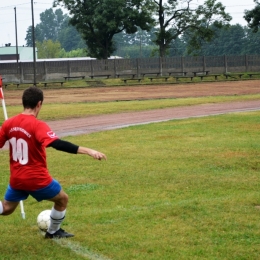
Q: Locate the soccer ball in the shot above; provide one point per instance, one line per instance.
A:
(43, 220)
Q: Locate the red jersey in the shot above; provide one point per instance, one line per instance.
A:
(28, 137)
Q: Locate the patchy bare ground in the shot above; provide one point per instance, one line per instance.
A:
(105, 122)
(141, 92)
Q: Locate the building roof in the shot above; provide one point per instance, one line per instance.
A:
(26, 53)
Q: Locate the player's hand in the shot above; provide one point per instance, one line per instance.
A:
(93, 153)
(99, 156)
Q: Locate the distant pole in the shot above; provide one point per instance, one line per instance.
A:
(17, 58)
(141, 36)
(33, 39)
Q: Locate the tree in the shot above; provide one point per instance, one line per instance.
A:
(252, 40)
(230, 41)
(99, 21)
(124, 39)
(72, 53)
(177, 47)
(253, 17)
(135, 45)
(48, 49)
(51, 23)
(49, 28)
(226, 41)
(28, 38)
(176, 17)
(70, 38)
(55, 26)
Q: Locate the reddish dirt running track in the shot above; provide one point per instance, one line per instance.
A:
(107, 122)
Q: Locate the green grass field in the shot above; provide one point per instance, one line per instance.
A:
(183, 189)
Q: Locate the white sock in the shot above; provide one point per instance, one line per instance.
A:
(1, 208)
(56, 219)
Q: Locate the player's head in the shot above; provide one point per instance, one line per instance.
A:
(31, 97)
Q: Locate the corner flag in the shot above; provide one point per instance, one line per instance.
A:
(2, 97)
(1, 84)
(6, 117)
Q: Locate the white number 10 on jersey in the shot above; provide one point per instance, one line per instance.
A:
(20, 150)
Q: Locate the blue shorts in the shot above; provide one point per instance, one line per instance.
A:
(46, 193)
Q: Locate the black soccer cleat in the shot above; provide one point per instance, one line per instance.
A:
(58, 234)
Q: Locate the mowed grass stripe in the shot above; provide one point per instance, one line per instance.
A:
(79, 250)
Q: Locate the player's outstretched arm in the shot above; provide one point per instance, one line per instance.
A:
(68, 147)
(93, 153)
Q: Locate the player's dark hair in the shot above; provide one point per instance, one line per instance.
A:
(31, 97)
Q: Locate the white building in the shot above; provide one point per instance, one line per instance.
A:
(9, 53)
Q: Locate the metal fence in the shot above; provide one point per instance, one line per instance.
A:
(58, 69)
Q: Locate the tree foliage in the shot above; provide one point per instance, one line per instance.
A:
(28, 38)
(251, 41)
(99, 21)
(51, 24)
(226, 41)
(139, 44)
(70, 38)
(72, 53)
(186, 30)
(232, 40)
(55, 26)
(253, 17)
(48, 49)
(176, 17)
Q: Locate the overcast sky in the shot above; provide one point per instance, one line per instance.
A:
(235, 8)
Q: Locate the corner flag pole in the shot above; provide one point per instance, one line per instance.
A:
(6, 117)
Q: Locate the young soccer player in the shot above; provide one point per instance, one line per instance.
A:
(28, 137)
